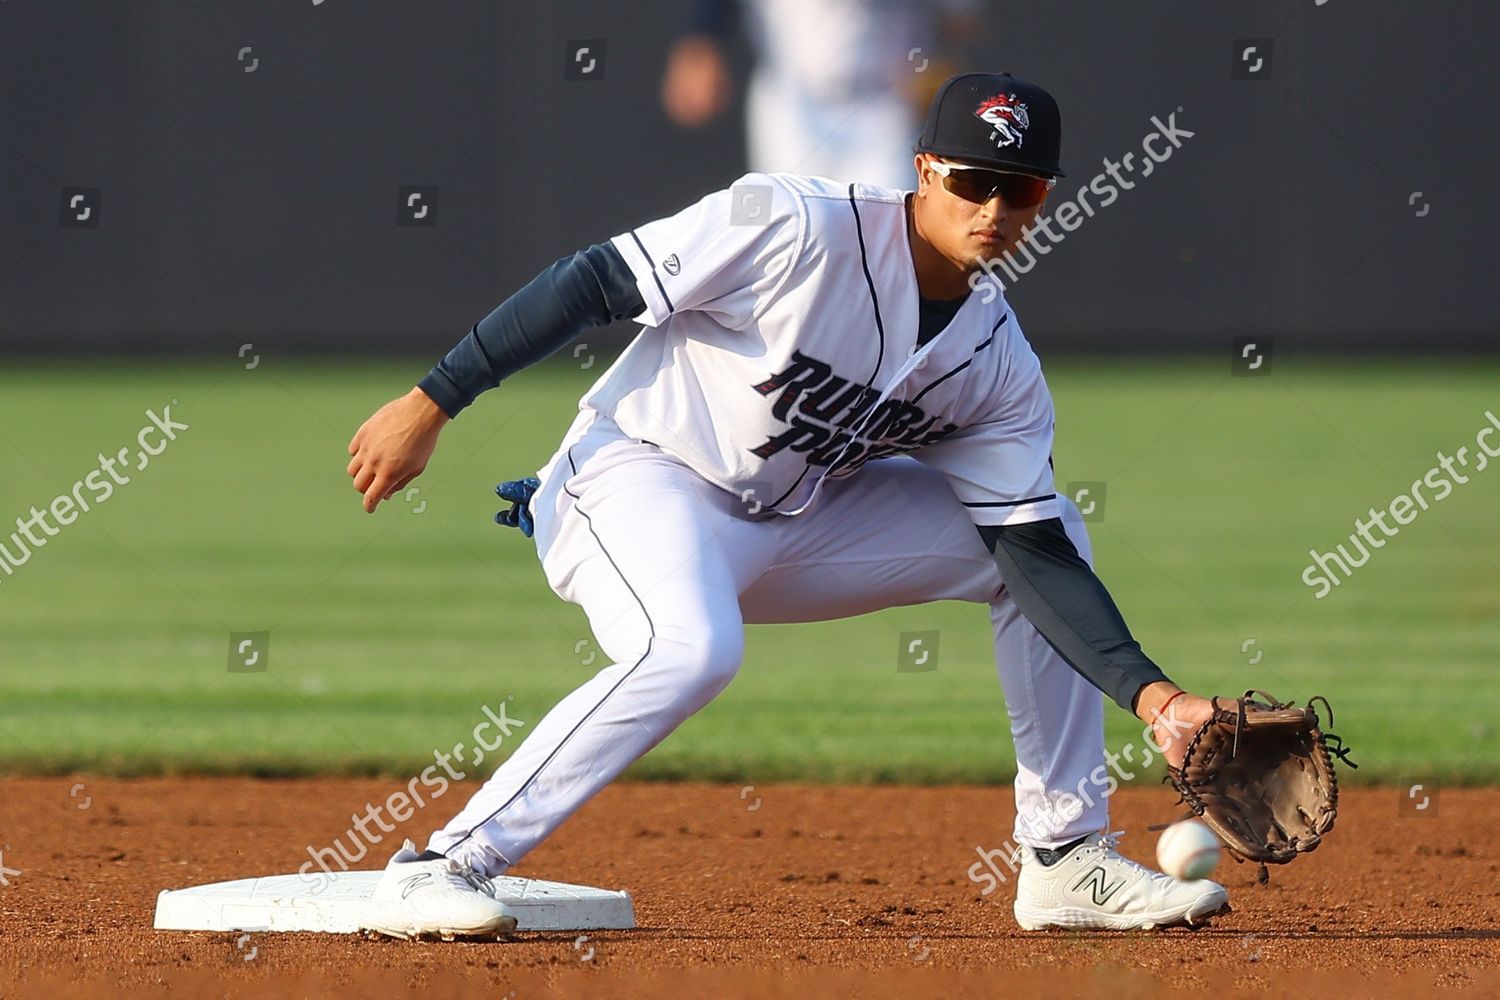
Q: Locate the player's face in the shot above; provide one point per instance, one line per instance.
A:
(963, 230)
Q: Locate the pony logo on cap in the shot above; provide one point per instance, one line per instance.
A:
(1006, 116)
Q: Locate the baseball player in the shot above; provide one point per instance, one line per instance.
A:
(836, 87)
(823, 415)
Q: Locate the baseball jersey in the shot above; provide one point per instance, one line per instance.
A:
(845, 50)
(779, 349)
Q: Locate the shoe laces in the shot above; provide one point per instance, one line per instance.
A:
(1104, 843)
(1107, 844)
(461, 876)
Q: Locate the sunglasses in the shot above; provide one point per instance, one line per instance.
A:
(980, 184)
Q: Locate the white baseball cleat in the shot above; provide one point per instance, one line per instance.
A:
(440, 898)
(1093, 888)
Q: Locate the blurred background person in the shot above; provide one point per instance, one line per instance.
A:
(837, 86)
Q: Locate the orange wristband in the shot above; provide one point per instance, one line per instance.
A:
(1161, 712)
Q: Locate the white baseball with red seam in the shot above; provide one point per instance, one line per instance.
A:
(1187, 850)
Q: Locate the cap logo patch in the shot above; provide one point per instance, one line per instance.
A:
(1006, 117)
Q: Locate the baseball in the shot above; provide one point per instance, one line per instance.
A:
(1187, 850)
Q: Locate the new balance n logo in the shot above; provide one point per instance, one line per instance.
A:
(1095, 880)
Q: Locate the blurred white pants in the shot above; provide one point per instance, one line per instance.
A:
(669, 568)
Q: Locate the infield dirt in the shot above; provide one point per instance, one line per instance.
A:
(740, 891)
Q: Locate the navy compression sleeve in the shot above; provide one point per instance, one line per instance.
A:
(1060, 595)
(591, 288)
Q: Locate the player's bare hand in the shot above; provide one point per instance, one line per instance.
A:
(394, 446)
(696, 87)
(1174, 716)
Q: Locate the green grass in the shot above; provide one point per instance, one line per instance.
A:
(390, 632)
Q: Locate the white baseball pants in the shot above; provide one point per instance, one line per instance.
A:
(669, 568)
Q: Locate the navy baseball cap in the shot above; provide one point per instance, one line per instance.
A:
(996, 120)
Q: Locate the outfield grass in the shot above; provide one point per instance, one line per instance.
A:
(389, 633)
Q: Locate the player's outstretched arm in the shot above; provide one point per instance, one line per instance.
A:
(588, 289)
(1058, 592)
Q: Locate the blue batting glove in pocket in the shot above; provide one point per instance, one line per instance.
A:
(519, 492)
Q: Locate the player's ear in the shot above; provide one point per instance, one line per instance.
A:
(922, 179)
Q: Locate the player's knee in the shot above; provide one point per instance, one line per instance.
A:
(708, 659)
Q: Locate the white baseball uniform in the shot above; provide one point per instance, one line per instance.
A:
(831, 92)
(776, 446)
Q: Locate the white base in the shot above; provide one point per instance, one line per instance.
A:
(289, 903)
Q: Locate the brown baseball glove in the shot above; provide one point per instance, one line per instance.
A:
(1260, 774)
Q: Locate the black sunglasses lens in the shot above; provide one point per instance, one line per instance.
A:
(1020, 191)
(971, 185)
(979, 186)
